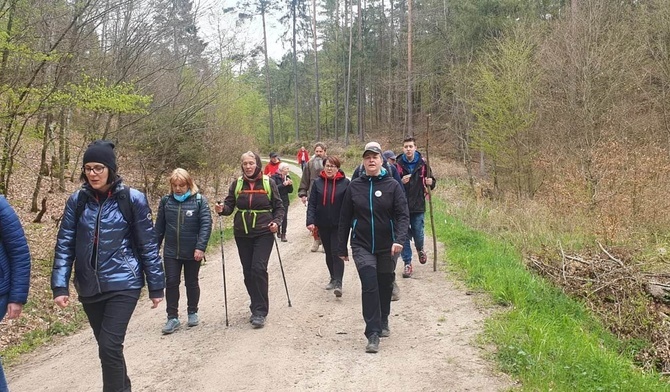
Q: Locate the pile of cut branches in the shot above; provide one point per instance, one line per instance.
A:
(633, 304)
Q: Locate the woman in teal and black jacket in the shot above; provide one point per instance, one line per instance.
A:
(184, 222)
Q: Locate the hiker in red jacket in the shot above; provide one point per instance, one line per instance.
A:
(272, 166)
(302, 157)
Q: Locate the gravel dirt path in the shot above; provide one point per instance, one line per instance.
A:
(317, 344)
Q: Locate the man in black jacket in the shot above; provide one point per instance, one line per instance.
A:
(416, 177)
(375, 210)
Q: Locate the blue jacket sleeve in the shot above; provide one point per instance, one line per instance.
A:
(64, 253)
(18, 255)
(145, 236)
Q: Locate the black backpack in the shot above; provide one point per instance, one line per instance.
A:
(125, 206)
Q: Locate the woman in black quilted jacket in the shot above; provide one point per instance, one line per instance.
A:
(184, 222)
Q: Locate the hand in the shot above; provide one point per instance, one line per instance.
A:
(344, 258)
(198, 255)
(311, 228)
(395, 249)
(155, 302)
(14, 310)
(273, 227)
(405, 178)
(429, 181)
(62, 301)
(303, 199)
(218, 207)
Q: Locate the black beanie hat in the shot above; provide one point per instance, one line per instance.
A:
(101, 151)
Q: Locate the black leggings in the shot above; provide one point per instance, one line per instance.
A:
(172, 279)
(254, 255)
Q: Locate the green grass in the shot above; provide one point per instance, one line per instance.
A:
(545, 339)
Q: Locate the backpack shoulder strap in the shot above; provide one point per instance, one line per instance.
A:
(198, 199)
(125, 205)
(128, 211)
(82, 199)
(266, 186)
(164, 201)
(238, 187)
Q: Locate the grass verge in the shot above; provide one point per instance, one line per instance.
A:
(545, 339)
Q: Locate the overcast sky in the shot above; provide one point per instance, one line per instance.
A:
(246, 36)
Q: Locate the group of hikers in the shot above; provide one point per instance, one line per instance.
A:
(108, 237)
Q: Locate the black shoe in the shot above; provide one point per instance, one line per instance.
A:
(258, 322)
(338, 289)
(373, 344)
(386, 331)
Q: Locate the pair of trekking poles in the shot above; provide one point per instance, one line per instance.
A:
(223, 268)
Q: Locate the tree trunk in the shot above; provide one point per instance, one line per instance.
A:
(410, 114)
(316, 73)
(295, 74)
(267, 76)
(346, 99)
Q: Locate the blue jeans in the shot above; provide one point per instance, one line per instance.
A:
(3, 310)
(415, 231)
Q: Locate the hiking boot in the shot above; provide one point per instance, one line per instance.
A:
(171, 326)
(331, 285)
(258, 321)
(423, 257)
(283, 238)
(386, 331)
(338, 289)
(193, 319)
(373, 344)
(395, 294)
(407, 272)
(315, 245)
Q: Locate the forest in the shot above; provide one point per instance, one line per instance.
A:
(554, 111)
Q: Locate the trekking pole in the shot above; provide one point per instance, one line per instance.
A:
(223, 268)
(282, 269)
(430, 198)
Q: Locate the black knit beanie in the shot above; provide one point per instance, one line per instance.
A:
(101, 151)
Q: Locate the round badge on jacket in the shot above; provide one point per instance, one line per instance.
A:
(378, 193)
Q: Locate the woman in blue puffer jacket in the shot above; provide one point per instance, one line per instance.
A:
(14, 268)
(184, 221)
(112, 254)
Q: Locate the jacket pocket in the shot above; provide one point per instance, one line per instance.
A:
(128, 263)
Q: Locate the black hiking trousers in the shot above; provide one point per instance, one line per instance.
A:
(173, 269)
(335, 264)
(376, 273)
(254, 255)
(109, 320)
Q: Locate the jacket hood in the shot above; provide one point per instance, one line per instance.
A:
(257, 172)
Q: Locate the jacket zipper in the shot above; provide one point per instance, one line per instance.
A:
(97, 244)
(178, 227)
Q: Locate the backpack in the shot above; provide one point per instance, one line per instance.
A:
(125, 206)
(266, 187)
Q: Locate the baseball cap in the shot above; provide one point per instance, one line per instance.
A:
(374, 147)
(388, 154)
